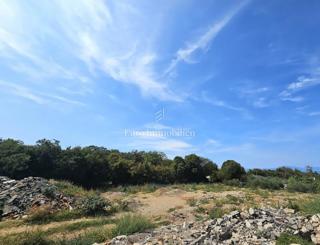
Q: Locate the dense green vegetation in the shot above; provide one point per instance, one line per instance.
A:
(94, 166)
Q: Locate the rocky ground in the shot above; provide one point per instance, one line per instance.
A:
(183, 214)
(18, 196)
(255, 226)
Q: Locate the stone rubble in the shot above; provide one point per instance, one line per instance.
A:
(18, 196)
(255, 226)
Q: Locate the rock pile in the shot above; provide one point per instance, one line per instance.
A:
(18, 196)
(255, 226)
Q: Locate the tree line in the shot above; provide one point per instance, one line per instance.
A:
(94, 166)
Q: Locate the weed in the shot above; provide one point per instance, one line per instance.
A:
(129, 224)
(286, 239)
(215, 213)
(192, 202)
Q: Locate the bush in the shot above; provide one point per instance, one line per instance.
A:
(95, 205)
(49, 192)
(302, 185)
(272, 183)
(233, 182)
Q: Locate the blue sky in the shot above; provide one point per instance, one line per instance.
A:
(242, 76)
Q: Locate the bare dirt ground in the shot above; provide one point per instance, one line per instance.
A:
(177, 205)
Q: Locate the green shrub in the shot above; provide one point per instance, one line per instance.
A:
(233, 182)
(49, 192)
(272, 183)
(302, 185)
(95, 205)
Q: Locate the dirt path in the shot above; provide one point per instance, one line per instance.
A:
(168, 203)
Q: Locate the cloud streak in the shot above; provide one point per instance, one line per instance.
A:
(302, 83)
(202, 43)
(40, 98)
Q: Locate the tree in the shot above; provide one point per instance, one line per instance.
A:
(14, 159)
(208, 166)
(189, 169)
(231, 170)
(45, 155)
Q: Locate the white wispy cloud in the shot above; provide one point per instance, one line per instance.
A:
(108, 37)
(302, 83)
(124, 57)
(215, 147)
(21, 91)
(202, 42)
(35, 96)
(219, 103)
(254, 90)
(223, 104)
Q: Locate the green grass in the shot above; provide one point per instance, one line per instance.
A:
(44, 216)
(234, 200)
(287, 239)
(133, 189)
(83, 224)
(126, 225)
(200, 210)
(261, 192)
(311, 206)
(130, 223)
(207, 187)
(88, 238)
(215, 213)
(26, 238)
(10, 224)
(70, 189)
